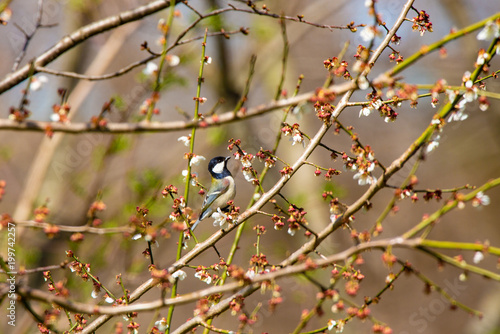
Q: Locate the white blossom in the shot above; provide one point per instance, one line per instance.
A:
(185, 140)
(201, 275)
(269, 164)
(478, 257)
(220, 218)
(457, 116)
(405, 193)
(363, 83)
(482, 58)
(250, 273)
(195, 160)
(161, 23)
(471, 94)
(6, 15)
(364, 178)
(291, 231)
(365, 111)
(95, 293)
(161, 325)
(377, 104)
(55, 117)
(335, 309)
(193, 179)
(37, 82)
(246, 160)
(482, 199)
(368, 33)
(358, 66)
(433, 144)
(297, 138)
(491, 30)
(353, 167)
(371, 167)
(331, 324)
(247, 173)
(483, 106)
(150, 68)
(451, 94)
(340, 326)
(180, 274)
(109, 300)
(172, 60)
(466, 79)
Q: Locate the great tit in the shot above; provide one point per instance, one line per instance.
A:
(222, 189)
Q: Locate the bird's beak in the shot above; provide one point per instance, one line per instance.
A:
(227, 158)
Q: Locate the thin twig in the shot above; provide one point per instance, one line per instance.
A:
(75, 229)
(298, 18)
(81, 35)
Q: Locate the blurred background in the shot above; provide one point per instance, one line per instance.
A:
(127, 171)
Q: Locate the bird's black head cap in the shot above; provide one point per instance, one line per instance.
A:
(218, 167)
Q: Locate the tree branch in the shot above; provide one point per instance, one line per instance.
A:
(240, 286)
(227, 117)
(82, 35)
(74, 229)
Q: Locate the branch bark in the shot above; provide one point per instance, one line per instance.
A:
(81, 35)
(227, 117)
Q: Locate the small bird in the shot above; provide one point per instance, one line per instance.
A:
(222, 189)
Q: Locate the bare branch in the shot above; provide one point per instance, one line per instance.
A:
(299, 18)
(82, 35)
(75, 229)
(227, 117)
(250, 284)
(38, 24)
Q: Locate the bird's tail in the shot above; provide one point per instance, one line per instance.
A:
(195, 224)
(202, 216)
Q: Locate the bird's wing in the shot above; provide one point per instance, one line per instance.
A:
(213, 193)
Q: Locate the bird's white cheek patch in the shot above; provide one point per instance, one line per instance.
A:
(219, 167)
